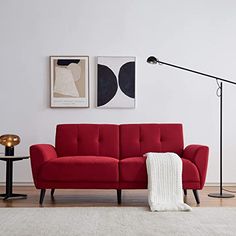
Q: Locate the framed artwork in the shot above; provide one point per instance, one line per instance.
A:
(69, 81)
(116, 82)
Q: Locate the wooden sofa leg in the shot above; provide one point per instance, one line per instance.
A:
(42, 194)
(185, 192)
(119, 196)
(52, 192)
(195, 193)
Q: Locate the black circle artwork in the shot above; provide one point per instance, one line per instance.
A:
(107, 85)
(127, 79)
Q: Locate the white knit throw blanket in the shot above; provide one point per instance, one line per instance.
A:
(165, 191)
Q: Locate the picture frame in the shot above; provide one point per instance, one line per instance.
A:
(116, 82)
(69, 77)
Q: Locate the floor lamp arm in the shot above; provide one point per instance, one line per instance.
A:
(196, 72)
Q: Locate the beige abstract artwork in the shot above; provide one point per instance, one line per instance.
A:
(69, 81)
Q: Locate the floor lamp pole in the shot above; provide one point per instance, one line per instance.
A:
(221, 137)
(154, 60)
(221, 194)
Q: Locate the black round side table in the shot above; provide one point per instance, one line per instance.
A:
(9, 176)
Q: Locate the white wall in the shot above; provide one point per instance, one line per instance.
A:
(195, 34)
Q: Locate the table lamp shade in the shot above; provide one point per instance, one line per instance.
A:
(9, 141)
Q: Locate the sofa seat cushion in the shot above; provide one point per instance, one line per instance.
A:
(133, 169)
(80, 168)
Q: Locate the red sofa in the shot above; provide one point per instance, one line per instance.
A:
(108, 156)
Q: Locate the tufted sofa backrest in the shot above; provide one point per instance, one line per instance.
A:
(87, 139)
(137, 139)
(118, 141)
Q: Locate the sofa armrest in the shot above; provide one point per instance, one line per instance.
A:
(39, 154)
(198, 154)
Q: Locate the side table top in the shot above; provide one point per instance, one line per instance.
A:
(15, 157)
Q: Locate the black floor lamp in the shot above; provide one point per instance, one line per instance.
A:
(154, 60)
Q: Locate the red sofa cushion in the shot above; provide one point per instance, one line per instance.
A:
(80, 168)
(138, 139)
(133, 169)
(87, 139)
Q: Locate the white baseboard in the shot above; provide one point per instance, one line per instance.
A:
(19, 184)
(32, 184)
(217, 184)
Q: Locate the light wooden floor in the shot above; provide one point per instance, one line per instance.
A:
(82, 198)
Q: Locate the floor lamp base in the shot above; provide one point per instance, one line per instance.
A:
(223, 195)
